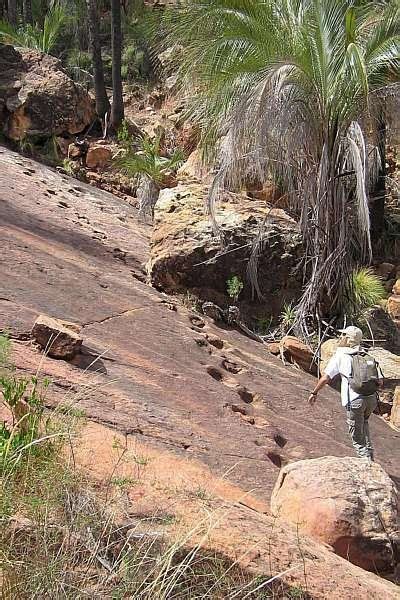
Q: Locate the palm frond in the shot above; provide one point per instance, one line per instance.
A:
(280, 90)
(32, 36)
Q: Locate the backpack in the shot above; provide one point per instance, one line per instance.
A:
(364, 374)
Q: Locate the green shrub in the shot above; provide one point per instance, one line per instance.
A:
(234, 287)
(287, 316)
(365, 289)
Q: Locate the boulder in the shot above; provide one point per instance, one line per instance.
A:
(385, 270)
(194, 169)
(395, 414)
(38, 98)
(57, 338)
(98, 156)
(187, 255)
(344, 503)
(298, 353)
(393, 307)
(327, 350)
(384, 330)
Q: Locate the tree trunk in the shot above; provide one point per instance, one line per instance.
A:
(12, 12)
(117, 110)
(147, 194)
(27, 11)
(378, 193)
(102, 103)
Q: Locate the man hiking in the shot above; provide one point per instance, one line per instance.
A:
(361, 377)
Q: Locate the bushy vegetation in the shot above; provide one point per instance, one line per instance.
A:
(365, 291)
(287, 84)
(38, 37)
(150, 166)
(234, 287)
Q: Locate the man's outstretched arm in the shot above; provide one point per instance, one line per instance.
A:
(323, 381)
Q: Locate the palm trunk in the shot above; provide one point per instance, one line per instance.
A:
(117, 110)
(27, 11)
(102, 103)
(12, 12)
(147, 194)
(378, 193)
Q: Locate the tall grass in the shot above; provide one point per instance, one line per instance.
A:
(364, 291)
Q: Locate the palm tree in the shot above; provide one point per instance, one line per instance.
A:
(102, 103)
(27, 11)
(151, 169)
(117, 109)
(12, 12)
(39, 38)
(282, 88)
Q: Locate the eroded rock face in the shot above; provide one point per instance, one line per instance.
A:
(58, 338)
(344, 503)
(37, 97)
(183, 240)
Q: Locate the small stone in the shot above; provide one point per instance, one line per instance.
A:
(396, 288)
(55, 338)
(98, 156)
(393, 307)
(74, 151)
(273, 348)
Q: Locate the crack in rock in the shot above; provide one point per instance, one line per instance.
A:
(121, 314)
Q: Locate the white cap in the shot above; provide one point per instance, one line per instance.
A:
(354, 334)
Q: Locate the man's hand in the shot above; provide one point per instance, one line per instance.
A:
(312, 399)
(324, 380)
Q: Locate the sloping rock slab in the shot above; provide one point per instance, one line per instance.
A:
(38, 98)
(183, 240)
(77, 253)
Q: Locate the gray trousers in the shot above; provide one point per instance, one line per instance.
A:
(358, 413)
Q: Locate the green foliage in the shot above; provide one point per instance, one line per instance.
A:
(135, 63)
(69, 166)
(26, 145)
(24, 398)
(5, 352)
(49, 150)
(263, 325)
(288, 316)
(364, 291)
(149, 161)
(79, 66)
(234, 287)
(287, 82)
(42, 38)
(125, 139)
